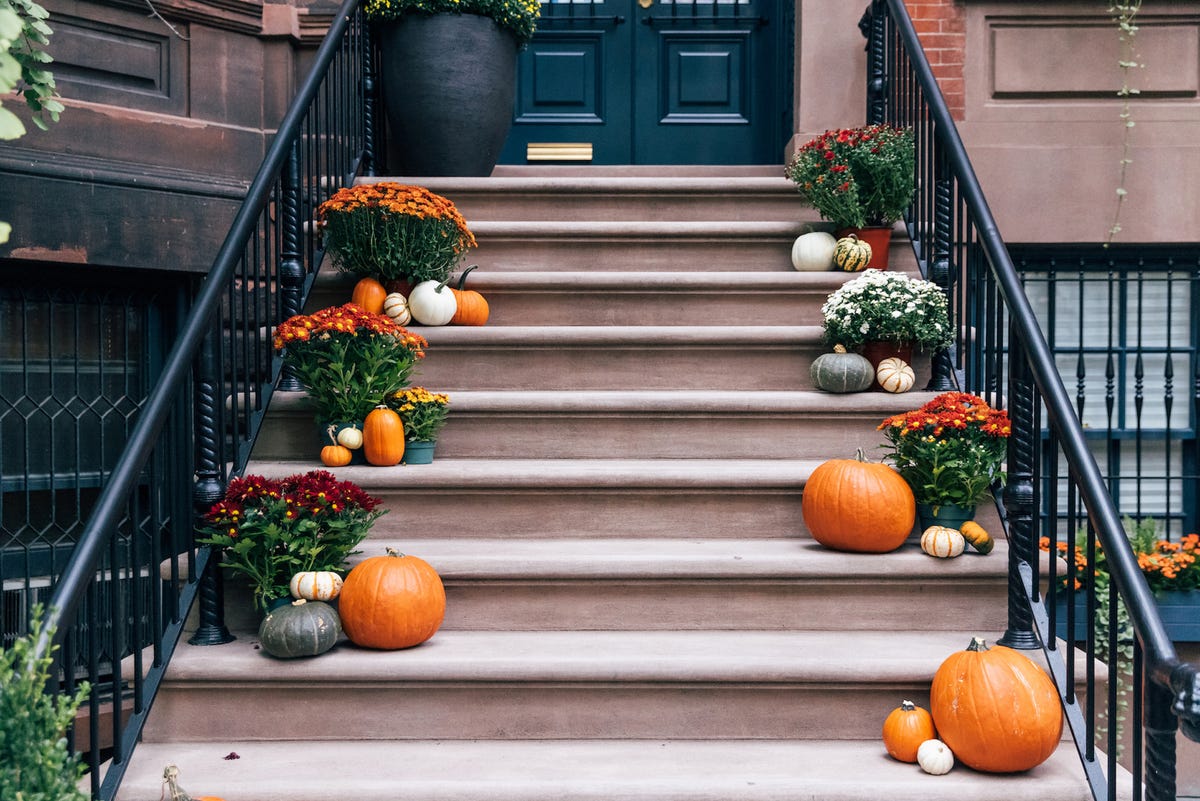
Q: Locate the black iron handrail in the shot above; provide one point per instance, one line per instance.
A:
(223, 355)
(959, 246)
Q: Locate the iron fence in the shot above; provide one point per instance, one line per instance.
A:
(1055, 487)
(201, 413)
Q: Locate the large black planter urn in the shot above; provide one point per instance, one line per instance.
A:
(448, 84)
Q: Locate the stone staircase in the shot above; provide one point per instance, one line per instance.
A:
(635, 609)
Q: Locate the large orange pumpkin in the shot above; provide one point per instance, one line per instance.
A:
(369, 295)
(383, 437)
(996, 709)
(905, 728)
(856, 505)
(393, 601)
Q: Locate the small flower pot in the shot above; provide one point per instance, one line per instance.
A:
(418, 452)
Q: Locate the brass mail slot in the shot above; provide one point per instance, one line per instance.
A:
(558, 151)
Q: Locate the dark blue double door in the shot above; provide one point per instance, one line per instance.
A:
(654, 82)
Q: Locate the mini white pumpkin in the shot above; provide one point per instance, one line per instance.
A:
(431, 303)
(350, 437)
(943, 542)
(813, 252)
(395, 306)
(895, 375)
(315, 585)
(935, 757)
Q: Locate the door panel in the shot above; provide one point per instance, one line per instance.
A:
(670, 83)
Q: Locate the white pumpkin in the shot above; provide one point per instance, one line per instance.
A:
(350, 437)
(395, 306)
(943, 542)
(935, 757)
(813, 252)
(316, 585)
(895, 375)
(431, 303)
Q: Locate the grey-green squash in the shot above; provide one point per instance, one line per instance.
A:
(301, 628)
(842, 372)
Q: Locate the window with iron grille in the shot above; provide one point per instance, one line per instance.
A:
(79, 352)
(1123, 325)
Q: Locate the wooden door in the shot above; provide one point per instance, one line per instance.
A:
(654, 82)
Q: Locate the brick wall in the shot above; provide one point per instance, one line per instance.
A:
(941, 25)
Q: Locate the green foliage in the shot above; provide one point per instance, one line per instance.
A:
(35, 764)
(24, 36)
(857, 177)
(270, 530)
(518, 16)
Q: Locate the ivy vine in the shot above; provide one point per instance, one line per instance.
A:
(1124, 14)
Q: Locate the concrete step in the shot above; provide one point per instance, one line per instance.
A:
(615, 197)
(583, 498)
(649, 357)
(629, 298)
(615, 584)
(465, 685)
(603, 357)
(601, 424)
(589, 770)
(624, 245)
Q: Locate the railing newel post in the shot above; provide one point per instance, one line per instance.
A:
(1019, 497)
(1159, 726)
(291, 267)
(872, 26)
(370, 88)
(209, 488)
(941, 270)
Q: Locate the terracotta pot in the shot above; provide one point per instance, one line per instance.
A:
(880, 240)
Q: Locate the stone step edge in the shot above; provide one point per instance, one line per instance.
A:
(657, 402)
(627, 282)
(575, 770)
(642, 337)
(791, 657)
(609, 475)
(607, 185)
(653, 232)
(624, 559)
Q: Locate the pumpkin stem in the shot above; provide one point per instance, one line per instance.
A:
(393, 552)
(462, 279)
(299, 602)
(860, 455)
(839, 348)
(908, 706)
(978, 644)
(332, 432)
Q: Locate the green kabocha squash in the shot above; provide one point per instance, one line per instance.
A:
(302, 628)
(851, 254)
(842, 372)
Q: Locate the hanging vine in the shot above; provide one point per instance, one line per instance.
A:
(1124, 15)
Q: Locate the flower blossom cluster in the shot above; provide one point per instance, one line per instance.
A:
(886, 306)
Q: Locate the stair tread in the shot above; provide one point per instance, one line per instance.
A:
(639, 281)
(608, 657)
(640, 336)
(569, 473)
(652, 558)
(613, 184)
(644, 401)
(590, 770)
(691, 230)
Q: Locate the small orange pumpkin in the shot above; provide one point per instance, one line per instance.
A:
(336, 456)
(383, 437)
(473, 307)
(856, 505)
(369, 295)
(996, 709)
(393, 601)
(905, 728)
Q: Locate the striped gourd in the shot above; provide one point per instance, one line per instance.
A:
(895, 375)
(942, 542)
(851, 254)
